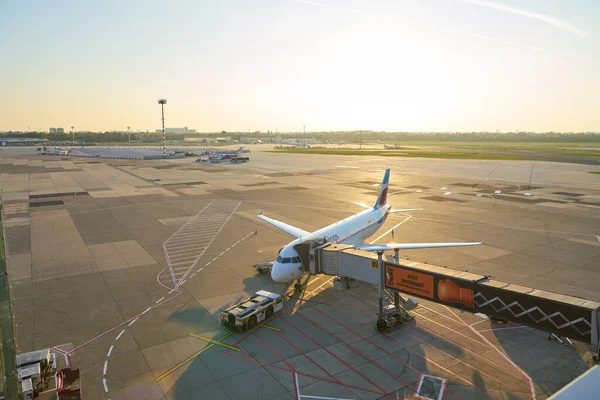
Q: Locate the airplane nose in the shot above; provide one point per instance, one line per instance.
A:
(281, 274)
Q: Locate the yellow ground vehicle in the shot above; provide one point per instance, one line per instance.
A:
(252, 311)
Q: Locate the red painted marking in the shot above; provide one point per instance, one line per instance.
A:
(335, 356)
(310, 359)
(449, 355)
(296, 388)
(450, 329)
(357, 352)
(274, 352)
(508, 371)
(303, 374)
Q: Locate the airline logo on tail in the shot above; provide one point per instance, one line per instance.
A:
(383, 190)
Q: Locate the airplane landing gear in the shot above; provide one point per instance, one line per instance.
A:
(298, 286)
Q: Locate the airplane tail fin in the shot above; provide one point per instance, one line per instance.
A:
(240, 152)
(383, 190)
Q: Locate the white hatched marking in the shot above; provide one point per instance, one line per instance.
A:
(105, 387)
(119, 336)
(132, 322)
(110, 351)
(105, 366)
(159, 300)
(147, 309)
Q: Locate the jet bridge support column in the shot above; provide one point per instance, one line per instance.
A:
(396, 294)
(391, 315)
(381, 281)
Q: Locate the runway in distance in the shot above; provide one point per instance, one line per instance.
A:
(351, 231)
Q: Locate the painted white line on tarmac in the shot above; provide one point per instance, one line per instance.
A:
(119, 335)
(105, 387)
(191, 276)
(147, 309)
(159, 300)
(297, 386)
(110, 351)
(105, 366)
(132, 322)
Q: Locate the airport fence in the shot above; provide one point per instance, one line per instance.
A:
(9, 384)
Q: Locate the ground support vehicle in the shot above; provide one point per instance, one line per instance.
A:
(68, 384)
(264, 268)
(252, 311)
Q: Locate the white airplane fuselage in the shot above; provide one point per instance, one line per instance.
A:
(351, 230)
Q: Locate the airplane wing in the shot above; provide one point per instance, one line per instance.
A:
(409, 246)
(363, 205)
(405, 210)
(289, 229)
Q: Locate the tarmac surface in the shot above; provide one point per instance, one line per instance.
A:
(89, 241)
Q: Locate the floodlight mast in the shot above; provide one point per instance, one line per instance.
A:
(162, 103)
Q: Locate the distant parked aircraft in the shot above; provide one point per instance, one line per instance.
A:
(227, 156)
(6, 141)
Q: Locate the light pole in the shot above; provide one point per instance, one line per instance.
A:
(128, 135)
(73, 135)
(304, 129)
(162, 103)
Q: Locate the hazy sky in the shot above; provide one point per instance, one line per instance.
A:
(395, 65)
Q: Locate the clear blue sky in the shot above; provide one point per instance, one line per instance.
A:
(395, 65)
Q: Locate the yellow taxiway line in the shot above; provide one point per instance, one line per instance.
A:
(190, 358)
(217, 342)
(271, 327)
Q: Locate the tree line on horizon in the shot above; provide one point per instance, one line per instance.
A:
(350, 136)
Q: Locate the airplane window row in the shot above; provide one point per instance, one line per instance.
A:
(288, 260)
(356, 233)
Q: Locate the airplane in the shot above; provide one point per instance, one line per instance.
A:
(297, 143)
(227, 156)
(352, 231)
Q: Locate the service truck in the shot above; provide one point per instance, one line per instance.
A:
(252, 311)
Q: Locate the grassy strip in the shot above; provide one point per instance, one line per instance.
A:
(424, 154)
(495, 145)
(595, 172)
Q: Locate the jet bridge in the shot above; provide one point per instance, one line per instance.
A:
(567, 316)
